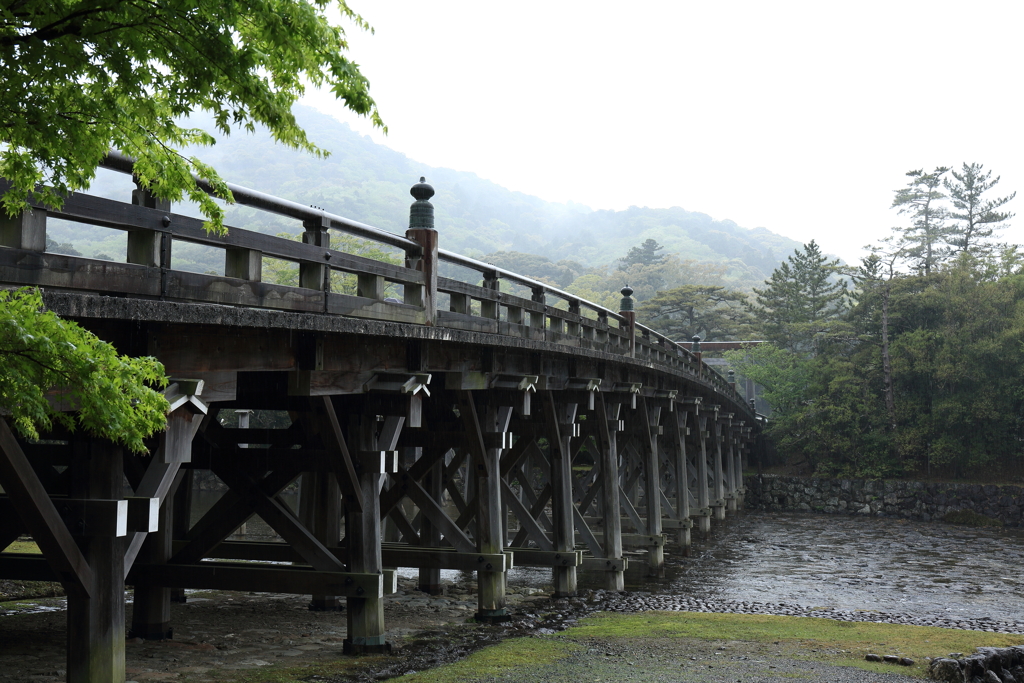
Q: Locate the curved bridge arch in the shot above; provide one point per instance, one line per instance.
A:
(454, 425)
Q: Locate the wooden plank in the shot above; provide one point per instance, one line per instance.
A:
(40, 517)
(374, 309)
(618, 564)
(40, 269)
(26, 567)
(217, 289)
(275, 579)
(531, 557)
(392, 555)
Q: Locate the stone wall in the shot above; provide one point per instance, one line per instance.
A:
(910, 499)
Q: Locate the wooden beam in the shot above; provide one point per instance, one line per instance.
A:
(228, 576)
(226, 515)
(341, 461)
(527, 523)
(40, 516)
(433, 511)
(281, 519)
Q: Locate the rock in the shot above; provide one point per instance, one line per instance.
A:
(945, 670)
(906, 661)
(891, 659)
(991, 677)
(872, 657)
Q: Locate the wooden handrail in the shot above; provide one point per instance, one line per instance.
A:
(149, 274)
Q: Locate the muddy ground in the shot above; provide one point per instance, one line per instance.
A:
(220, 635)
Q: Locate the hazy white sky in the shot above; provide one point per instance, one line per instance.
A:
(801, 117)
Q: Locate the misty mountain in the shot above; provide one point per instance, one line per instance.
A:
(370, 183)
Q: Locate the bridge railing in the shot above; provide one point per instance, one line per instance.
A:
(550, 314)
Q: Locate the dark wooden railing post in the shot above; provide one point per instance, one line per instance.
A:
(27, 230)
(314, 275)
(698, 355)
(149, 247)
(626, 309)
(537, 318)
(421, 230)
(491, 309)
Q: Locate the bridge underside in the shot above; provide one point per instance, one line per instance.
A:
(411, 446)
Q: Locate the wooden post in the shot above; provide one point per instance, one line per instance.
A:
(561, 418)
(731, 476)
(430, 535)
(181, 520)
(26, 231)
(96, 623)
(718, 504)
(650, 417)
(421, 230)
(703, 492)
(151, 607)
(149, 247)
(611, 508)
(320, 512)
(682, 478)
(489, 527)
(365, 615)
(626, 309)
(314, 275)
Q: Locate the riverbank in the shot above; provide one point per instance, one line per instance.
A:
(976, 504)
(264, 638)
(853, 570)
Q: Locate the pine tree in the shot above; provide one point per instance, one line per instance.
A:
(801, 300)
(924, 241)
(977, 217)
(646, 254)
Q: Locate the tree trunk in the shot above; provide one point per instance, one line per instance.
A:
(890, 403)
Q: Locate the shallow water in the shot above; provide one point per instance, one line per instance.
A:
(854, 563)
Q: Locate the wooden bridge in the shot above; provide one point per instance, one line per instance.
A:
(432, 422)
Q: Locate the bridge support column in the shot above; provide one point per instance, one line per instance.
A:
(320, 512)
(365, 615)
(561, 418)
(490, 529)
(430, 535)
(731, 474)
(650, 417)
(151, 605)
(703, 492)
(719, 502)
(181, 520)
(680, 471)
(151, 608)
(611, 508)
(96, 623)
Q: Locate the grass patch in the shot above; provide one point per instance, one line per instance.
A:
(303, 674)
(491, 661)
(498, 659)
(969, 518)
(841, 643)
(21, 546)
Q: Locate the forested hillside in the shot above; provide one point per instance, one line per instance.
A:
(370, 183)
